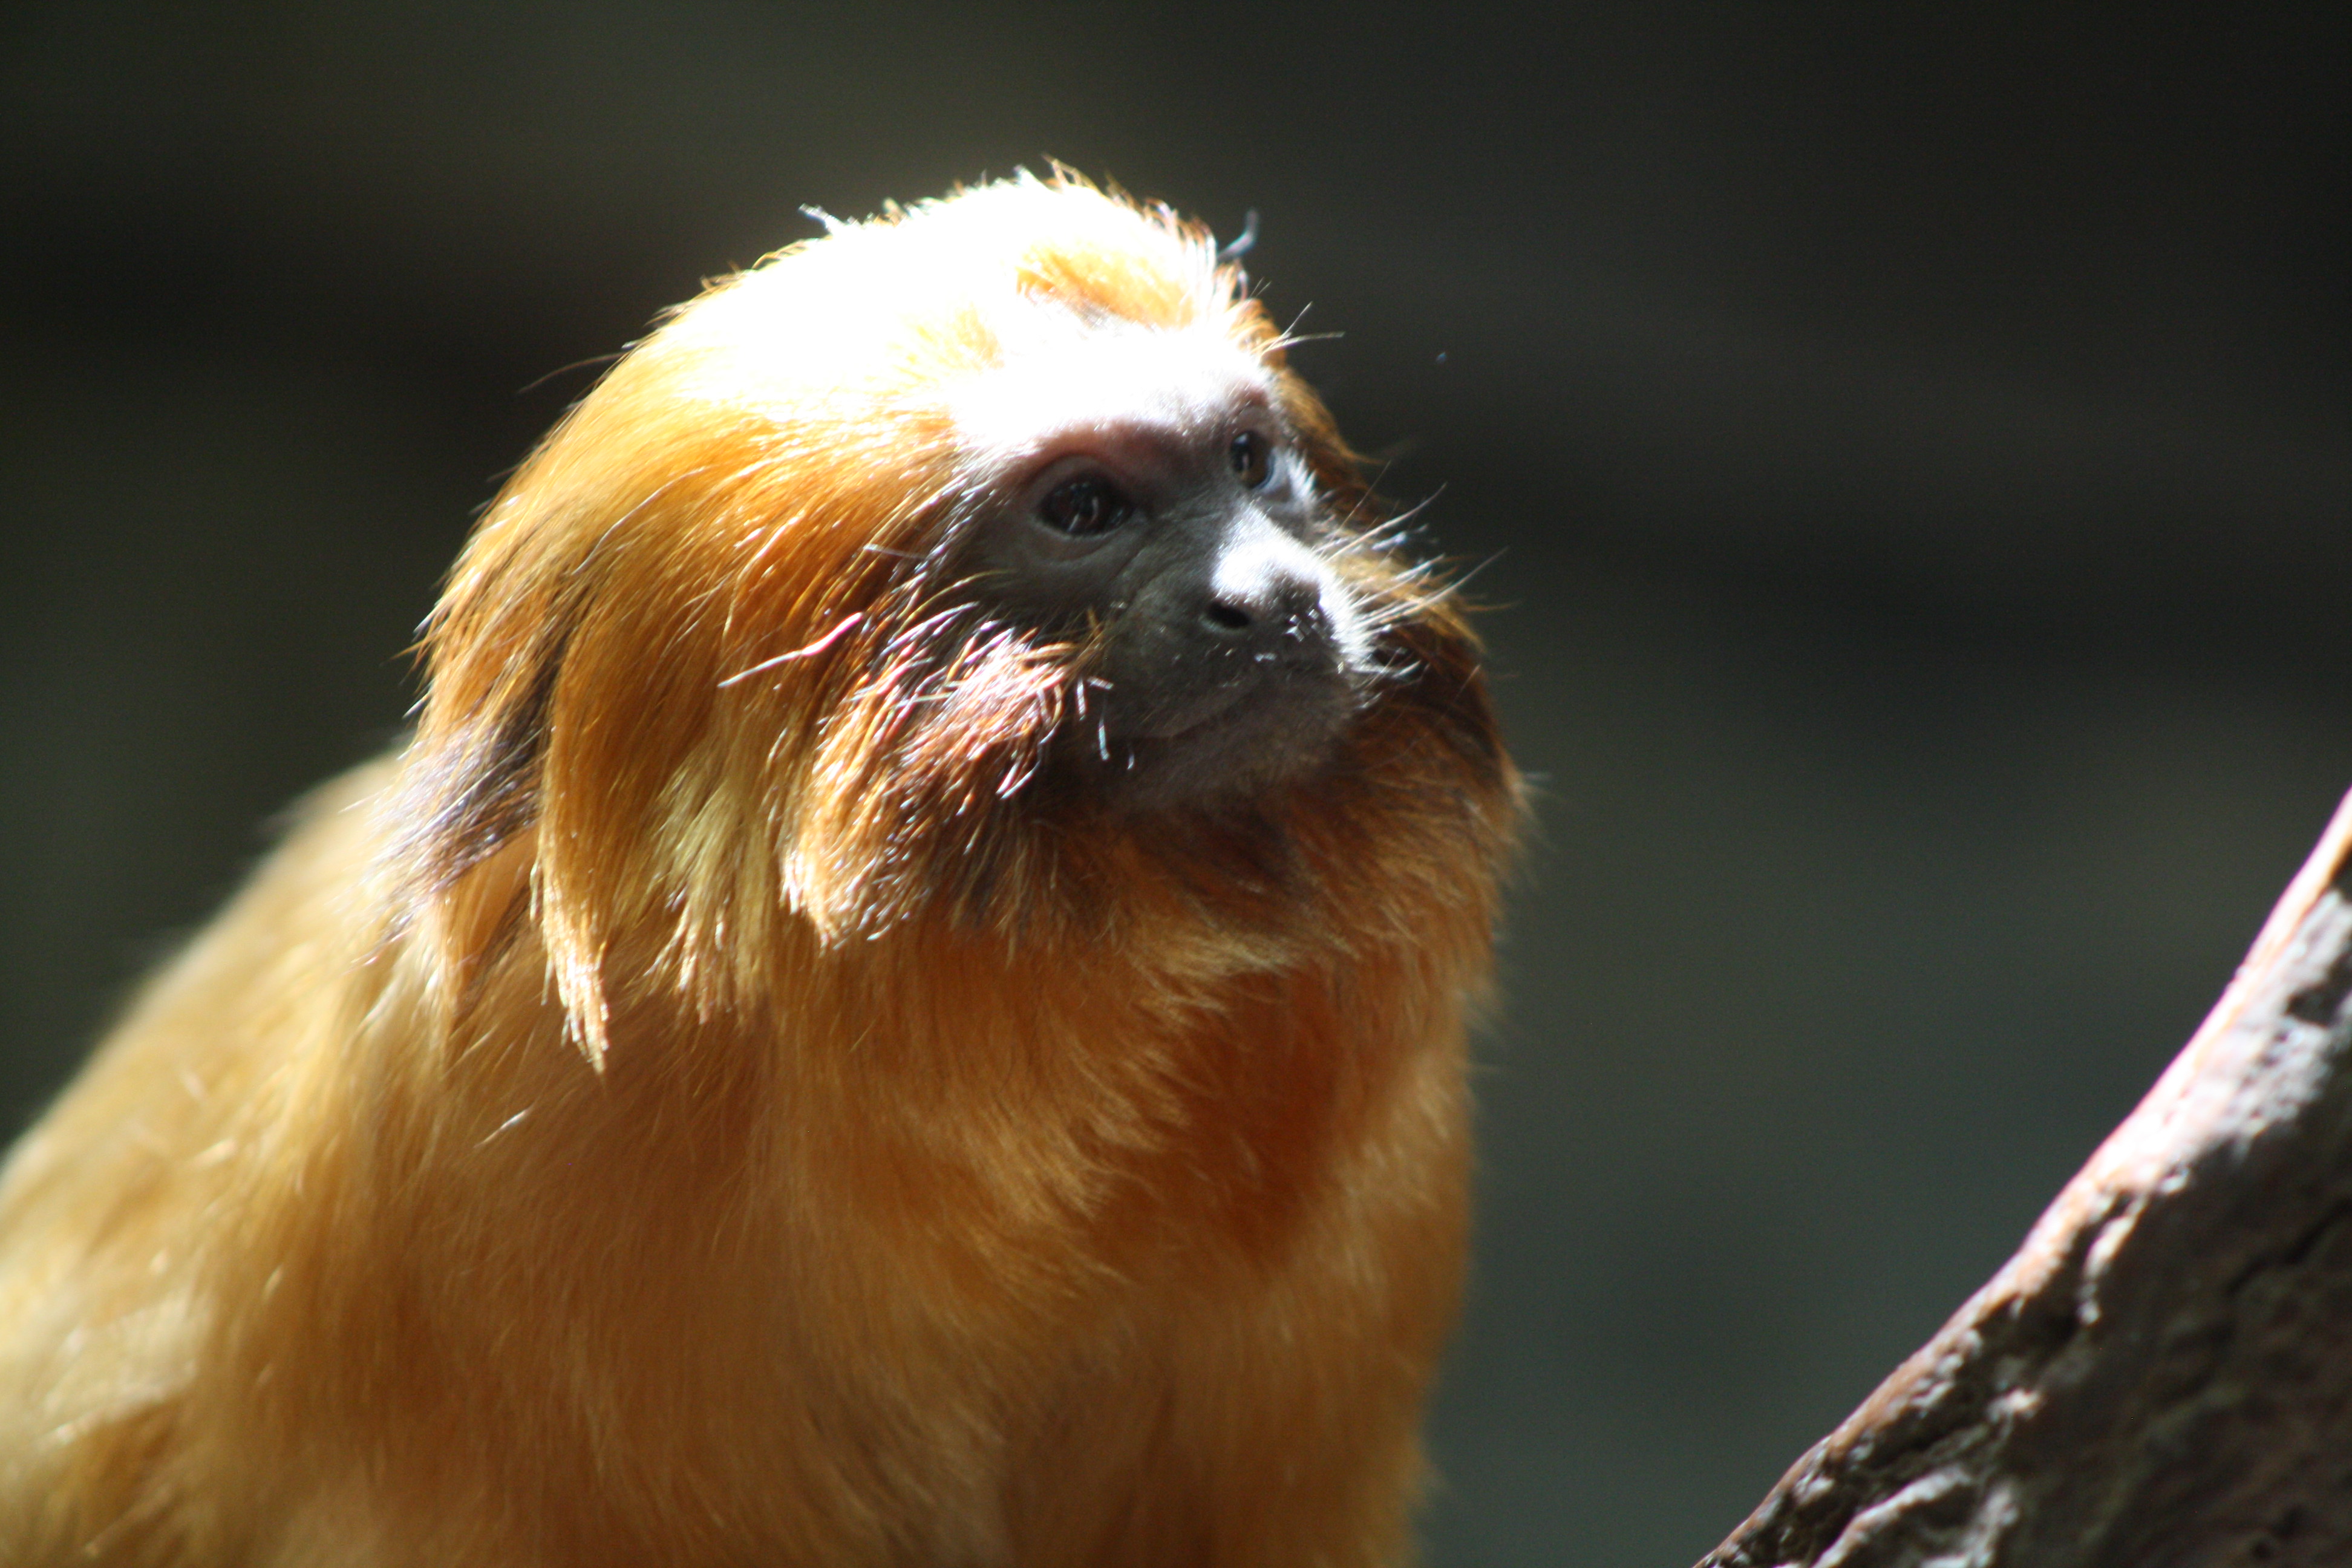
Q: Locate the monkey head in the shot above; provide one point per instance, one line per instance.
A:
(984, 562)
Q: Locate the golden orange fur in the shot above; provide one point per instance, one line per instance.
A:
(710, 1099)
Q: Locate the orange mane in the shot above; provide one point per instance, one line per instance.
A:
(703, 648)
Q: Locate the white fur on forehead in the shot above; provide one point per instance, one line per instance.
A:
(1063, 373)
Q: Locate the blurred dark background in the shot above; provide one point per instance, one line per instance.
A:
(1909, 448)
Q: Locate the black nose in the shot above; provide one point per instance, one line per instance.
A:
(1292, 606)
(1265, 589)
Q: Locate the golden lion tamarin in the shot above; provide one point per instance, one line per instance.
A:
(903, 1006)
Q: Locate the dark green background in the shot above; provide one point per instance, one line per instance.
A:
(1909, 447)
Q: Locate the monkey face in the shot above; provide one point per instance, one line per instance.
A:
(1140, 494)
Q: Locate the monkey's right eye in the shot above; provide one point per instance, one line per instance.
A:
(1084, 505)
(1248, 456)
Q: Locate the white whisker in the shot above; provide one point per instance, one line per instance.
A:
(852, 619)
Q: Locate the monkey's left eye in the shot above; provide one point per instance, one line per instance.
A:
(1085, 506)
(1249, 456)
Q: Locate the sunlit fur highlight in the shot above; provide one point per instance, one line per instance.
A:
(963, 1169)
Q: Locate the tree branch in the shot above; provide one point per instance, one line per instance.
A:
(2162, 1375)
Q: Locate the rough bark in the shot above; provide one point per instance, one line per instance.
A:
(2162, 1375)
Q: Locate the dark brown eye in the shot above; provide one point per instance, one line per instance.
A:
(1248, 456)
(1085, 506)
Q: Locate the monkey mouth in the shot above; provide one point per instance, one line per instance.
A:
(1278, 722)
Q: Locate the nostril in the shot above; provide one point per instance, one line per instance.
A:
(1265, 590)
(1225, 616)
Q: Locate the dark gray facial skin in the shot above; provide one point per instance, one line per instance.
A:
(1178, 535)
